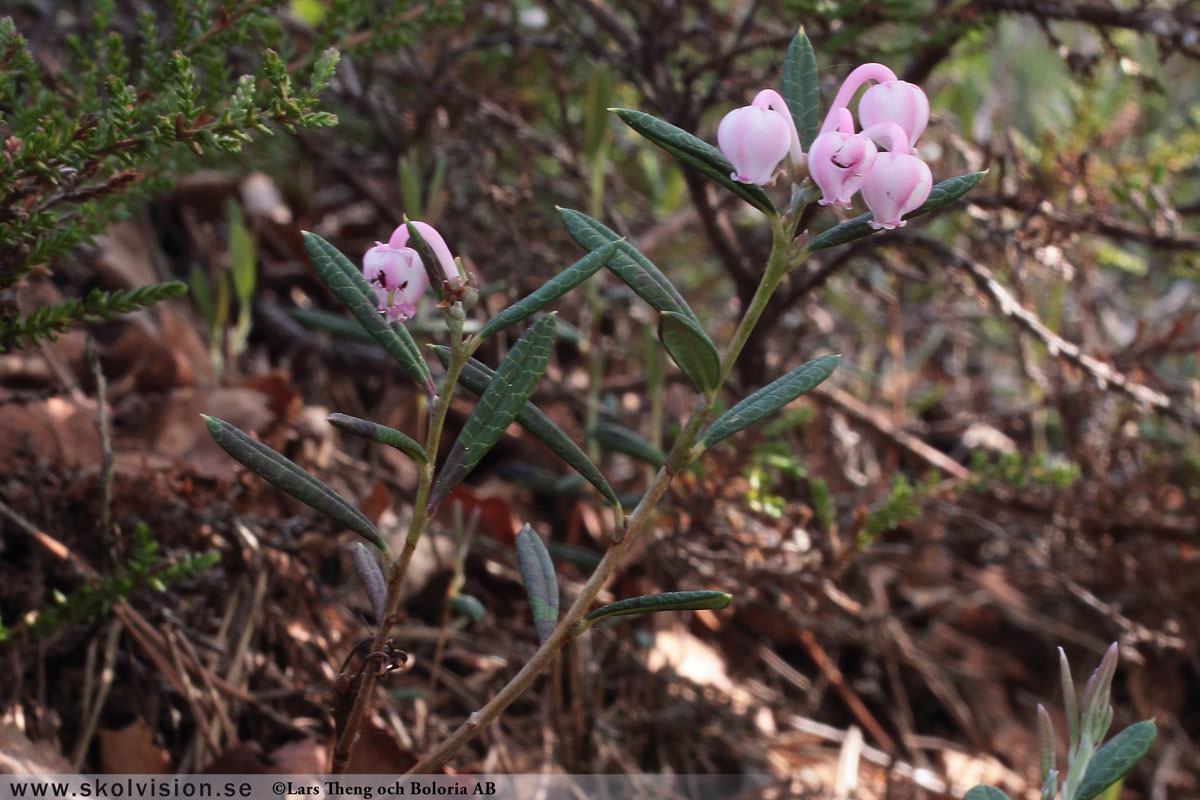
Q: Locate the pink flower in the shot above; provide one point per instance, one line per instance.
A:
(860, 75)
(840, 160)
(398, 279)
(755, 138)
(435, 242)
(898, 184)
(900, 102)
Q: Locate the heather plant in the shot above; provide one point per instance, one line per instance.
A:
(780, 133)
(1091, 770)
(122, 115)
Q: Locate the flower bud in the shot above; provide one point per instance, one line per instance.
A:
(436, 243)
(900, 102)
(398, 279)
(898, 184)
(839, 163)
(755, 140)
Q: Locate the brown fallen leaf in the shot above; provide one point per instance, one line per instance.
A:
(132, 750)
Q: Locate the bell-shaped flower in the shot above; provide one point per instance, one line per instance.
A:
(900, 102)
(860, 75)
(839, 161)
(898, 183)
(436, 243)
(398, 279)
(755, 138)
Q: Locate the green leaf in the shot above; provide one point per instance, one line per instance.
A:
(942, 194)
(985, 792)
(468, 606)
(500, 403)
(541, 584)
(770, 398)
(584, 557)
(379, 433)
(241, 256)
(347, 282)
(801, 88)
(476, 377)
(1115, 758)
(622, 440)
(637, 271)
(372, 579)
(695, 153)
(691, 349)
(650, 603)
(285, 475)
(553, 289)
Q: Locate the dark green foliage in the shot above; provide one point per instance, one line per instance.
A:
(499, 404)
(49, 321)
(283, 474)
(145, 567)
(904, 504)
(1116, 758)
(541, 584)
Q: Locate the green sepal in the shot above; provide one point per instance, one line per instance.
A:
(942, 194)
(691, 349)
(638, 272)
(285, 475)
(695, 153)
(801, 88)
(348, 284)
(541, 584)
(476, 376)
(618, 439)
(379, 433)
(650, 603)
(1119, 755)
(498, 405)
(770, 398)
(550, 291)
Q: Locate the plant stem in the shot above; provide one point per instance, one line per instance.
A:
(680, 456)
(459, 353)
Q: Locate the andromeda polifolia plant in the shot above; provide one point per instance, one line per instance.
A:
(1091, 770)
(386, 290)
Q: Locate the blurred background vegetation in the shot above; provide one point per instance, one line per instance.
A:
(1006, 461)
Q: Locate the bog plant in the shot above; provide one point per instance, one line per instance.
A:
(1091, 770)
(825, 164)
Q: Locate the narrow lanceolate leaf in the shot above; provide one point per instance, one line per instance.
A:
(476, 377)
(287, 476)
(637, 271)
(800, 88)
(468, 606)
(695, 153)
(622, 440)
(541, 584)
(379, 433)
(499, 405)
(372, 578)
(691, 349)
(770, 398)
(985, 792)
(668, 601)
(347, 282)
(553, 289)
(1116, 758)
(942, 194)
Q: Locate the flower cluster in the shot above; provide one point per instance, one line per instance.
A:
(396, 274)
(841, 161)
